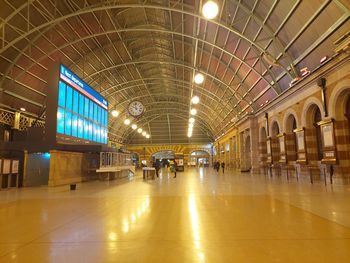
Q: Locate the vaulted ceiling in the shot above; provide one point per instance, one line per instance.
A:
(150, 51)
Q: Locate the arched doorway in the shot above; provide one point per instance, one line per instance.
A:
(199, 159)
(291, 151)
(275, 147)
(341, 109)
(313, 134)
(164, 157)
(262, 149)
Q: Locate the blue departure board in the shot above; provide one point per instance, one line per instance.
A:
(82, 112)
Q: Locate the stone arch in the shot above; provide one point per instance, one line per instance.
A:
(275, 128)
(339, 109)
(338, 100)
(169, 150)
(272, 122)
(311, 116)
(157, 148)
(199, 150)
(290, 123)
(340, 89)
(310, 103)
(262, 134)
(286, 119)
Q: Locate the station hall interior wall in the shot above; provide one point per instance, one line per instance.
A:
(243, 147)
(145, 152)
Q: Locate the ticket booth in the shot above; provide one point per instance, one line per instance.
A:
(9, 175)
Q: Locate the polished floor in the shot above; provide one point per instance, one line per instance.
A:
(198, 217)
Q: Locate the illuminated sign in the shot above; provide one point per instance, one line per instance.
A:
(82, 112)
(74, 81)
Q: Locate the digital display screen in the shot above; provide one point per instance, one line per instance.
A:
(82, 112)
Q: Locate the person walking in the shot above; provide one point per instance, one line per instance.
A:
(157, 167)
(223, 167)
(217, 166)
(175, 167)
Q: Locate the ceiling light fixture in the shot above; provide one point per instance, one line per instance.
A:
(144, 133)
(191, 120)
(195, 100)
(115, 113)
(134, 126)
(148, 136)
(23, 109)
(323, 59)
(193, 111)
(210, 10)
(127, 122)
(306, 72)
(139, 130)
(198, 78)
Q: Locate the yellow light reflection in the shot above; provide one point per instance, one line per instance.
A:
(128, 222)
(112, 245)
(201, 174)
(126, 226)
(112, 236)
(192, 207)
(201, 256)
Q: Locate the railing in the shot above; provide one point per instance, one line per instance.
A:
(8, 117)
(113, 159)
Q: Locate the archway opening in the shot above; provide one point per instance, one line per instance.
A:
(164, 157)
(347, 116)
(313, 133)
(342, 129)
(199, 159)
(275, 147)
(291, 140)
(275, 130)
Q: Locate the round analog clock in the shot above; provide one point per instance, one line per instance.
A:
(136, 108)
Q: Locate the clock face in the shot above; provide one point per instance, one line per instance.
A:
(136, 108)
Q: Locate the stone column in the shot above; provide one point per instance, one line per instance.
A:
(254, 144)
(242, 151)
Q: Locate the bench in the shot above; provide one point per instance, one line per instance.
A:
(148, 171)
(111, 170)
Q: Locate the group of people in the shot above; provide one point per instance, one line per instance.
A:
(217, 166)
(157, 165)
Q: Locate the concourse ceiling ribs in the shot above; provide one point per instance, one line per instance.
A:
(150, 50)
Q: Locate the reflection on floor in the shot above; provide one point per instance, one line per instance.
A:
(198, 217)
